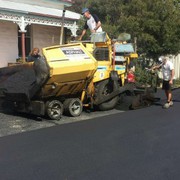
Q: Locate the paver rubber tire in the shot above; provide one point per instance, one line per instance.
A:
(73, 107)
(103, 89)
(125, 101)
(54, 109)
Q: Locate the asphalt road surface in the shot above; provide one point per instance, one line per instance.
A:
(12, 122)
(133, 145)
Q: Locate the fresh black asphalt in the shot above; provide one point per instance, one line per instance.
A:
(135, 145)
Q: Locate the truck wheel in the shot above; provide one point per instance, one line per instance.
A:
(54, 109)
(103, 89)
(73, 107)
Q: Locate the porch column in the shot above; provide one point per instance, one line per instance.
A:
(23, 46)
(22, 25)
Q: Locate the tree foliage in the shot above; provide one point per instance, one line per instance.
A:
(155, 23)
(77, 6)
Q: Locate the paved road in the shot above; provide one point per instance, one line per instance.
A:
(134, 145)
(13, 123)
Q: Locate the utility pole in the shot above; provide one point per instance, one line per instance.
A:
(62, 27)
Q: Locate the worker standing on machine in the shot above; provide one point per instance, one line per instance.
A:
(92, 22)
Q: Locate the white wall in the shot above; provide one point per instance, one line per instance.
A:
(176, 62)
(44, 36)
(8, 43)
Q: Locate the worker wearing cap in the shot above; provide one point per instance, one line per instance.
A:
(93, 22)
(168, 76)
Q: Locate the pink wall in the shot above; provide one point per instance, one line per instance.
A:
(44, 36)
(8, 43)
